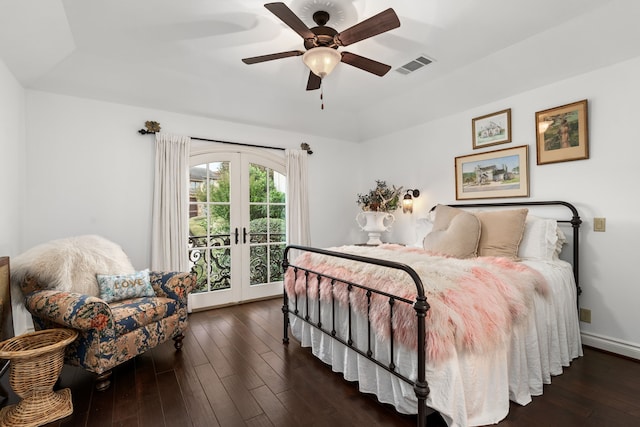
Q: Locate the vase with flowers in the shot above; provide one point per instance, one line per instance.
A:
(377, 206)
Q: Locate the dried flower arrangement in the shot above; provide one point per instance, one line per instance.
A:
(381, 198)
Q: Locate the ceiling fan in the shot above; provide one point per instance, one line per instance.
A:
(322, 42)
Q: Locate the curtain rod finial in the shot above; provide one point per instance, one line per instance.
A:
(306, 147)
(151, 127)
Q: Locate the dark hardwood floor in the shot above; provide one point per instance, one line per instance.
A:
(235, 371)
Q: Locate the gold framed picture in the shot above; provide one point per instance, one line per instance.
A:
(494, 174)
(492, 129)
(562, 133)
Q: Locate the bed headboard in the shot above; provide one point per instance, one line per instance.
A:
(573, 219)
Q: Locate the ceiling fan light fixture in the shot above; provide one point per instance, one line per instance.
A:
(321, 60)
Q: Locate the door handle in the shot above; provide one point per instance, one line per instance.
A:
(236, 235)
(244, 235)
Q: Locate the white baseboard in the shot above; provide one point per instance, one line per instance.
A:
(609, 344)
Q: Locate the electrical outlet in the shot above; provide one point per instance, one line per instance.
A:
(599, 224)
(585, 315)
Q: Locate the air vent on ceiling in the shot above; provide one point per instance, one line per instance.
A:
(414, 65)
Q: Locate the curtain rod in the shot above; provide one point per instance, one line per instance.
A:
(154, 127)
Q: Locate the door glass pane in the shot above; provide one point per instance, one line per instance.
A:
(258, 224)
(277, 226)
(275, 260)
(209, 226)
(220, 269)
(279, 183)
(198, 262)
(266, 223)
(259, 266)
(258, 183)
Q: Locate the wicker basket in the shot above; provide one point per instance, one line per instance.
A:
(36, 362)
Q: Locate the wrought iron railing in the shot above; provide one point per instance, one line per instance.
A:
(210, 259)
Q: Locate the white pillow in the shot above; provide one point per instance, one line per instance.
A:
(540, 239)
(562, 239)
(422, 228)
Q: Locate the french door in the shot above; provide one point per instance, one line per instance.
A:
(236, 227)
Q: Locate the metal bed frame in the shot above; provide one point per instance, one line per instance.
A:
(420, 304)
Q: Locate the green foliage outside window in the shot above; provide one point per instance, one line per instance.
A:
(219, 213)
(266, 225)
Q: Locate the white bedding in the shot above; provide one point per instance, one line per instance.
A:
(469, 389)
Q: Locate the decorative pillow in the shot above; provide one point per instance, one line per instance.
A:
(455, 233)
(562, 239)
(423, 227)
(124, 286)
(501, 232)
(539, 239)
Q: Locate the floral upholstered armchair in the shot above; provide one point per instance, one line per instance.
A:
(118, 312)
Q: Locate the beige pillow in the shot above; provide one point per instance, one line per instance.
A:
(455, 233)
(501, 232)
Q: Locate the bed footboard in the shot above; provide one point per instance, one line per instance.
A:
(302, 310)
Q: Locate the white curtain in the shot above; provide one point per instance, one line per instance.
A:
(170, 228)
(297, 197)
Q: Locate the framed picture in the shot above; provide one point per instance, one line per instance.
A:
(492, 129)
(562, 133)
(494, 174)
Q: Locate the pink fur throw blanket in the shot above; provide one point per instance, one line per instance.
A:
(474, 302)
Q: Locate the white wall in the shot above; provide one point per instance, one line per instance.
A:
(89, 171)
(12, 175)
(12, 143)
(605, 185)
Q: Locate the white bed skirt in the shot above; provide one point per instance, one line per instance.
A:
(469, 389)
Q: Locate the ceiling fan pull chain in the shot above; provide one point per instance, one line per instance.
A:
(321, 96)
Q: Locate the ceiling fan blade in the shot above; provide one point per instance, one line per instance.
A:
(366, 64)
(314, 81)
(287, 16)
(377, 24)
(271, 57)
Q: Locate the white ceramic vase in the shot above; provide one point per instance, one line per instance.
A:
(374, 223)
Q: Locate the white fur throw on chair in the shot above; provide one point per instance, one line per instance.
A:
(71, 264)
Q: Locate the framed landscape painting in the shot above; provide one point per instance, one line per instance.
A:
(492, 129)
(562, 133)
(494, 174)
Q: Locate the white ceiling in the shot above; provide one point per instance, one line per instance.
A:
(185, 56)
